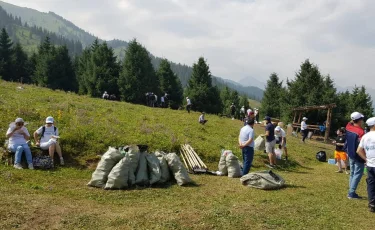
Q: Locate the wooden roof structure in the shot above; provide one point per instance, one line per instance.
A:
(328, 107)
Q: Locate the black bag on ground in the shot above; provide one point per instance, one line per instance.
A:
(321, 156)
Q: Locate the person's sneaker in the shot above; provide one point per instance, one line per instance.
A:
(270, 166)
(31, 166)
(346, 172)
(62, 161)
(354, 196)
(340, 171)
(371, 207)
(18, 166)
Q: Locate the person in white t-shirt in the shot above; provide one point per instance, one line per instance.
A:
(366, 151)
(46, 137)
(18, 136)
(281, 139)
(304, 129)
(188, 104)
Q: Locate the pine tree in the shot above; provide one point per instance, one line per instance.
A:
(204, 97)
(271, 102)
(170, 84)
(6, 56)
(137, 76)
(20, 65)
(62, 75)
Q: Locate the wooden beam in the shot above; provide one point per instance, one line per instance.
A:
(328, 125)
(295, 117)
(319, 107)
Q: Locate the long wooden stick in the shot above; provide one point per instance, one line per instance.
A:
(197, 157)
(193, 157)
(193, 163)
(183, 158)
(187, 158)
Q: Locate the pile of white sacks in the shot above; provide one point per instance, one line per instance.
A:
(229, 165)
(126, 167)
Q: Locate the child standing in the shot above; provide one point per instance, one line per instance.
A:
(340, 154)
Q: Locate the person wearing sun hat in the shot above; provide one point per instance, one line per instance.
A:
(18, 136)
(46, 137)
(366, 150)
(304, 129)
(354, 134)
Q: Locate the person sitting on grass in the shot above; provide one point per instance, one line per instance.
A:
(46, 138)
(281, 139)
(201, 119)
(340, 154)
(366, 150)
(18, 136)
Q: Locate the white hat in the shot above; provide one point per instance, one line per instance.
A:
(304, 118)
(371, 121)
(356, 116)
(49, 120)
(19, 120)
(278, 129)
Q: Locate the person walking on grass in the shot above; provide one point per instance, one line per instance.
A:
(270, 142)
(366, 151)
(46, 137)
(246, 144)
(201, 119)
(188, 104)
(232, 110)
(242, 113)
(281, 139)
(354, 134)
(340, 154)
(304, 129)
(18, 136)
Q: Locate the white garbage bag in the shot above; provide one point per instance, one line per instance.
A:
(260, 144)
(179, 171)
(165, 174)
(154, 171)
(233, 165)
(142, 173)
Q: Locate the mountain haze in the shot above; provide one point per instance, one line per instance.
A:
(54, 23)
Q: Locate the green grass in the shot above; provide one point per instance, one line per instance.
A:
(254, 103)
(315, 196)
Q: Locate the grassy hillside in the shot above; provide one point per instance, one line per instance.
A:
(315, 196)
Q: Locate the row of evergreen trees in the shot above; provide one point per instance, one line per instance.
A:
(98, 70)
(311, 88)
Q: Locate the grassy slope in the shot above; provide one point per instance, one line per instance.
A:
(88, 125)
(254, 104)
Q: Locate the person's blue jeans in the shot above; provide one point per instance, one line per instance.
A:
(248, 156)
(356, 173)
(18, 150)
(371, 185)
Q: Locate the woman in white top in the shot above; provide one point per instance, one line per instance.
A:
(304, 129)
(48, 139)
(18, 136)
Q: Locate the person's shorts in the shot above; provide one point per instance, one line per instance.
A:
(340, 155)
(270, 146)
(46, 145)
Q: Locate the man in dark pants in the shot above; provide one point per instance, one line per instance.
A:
(304, 129)
(366, 151)
(246, 143)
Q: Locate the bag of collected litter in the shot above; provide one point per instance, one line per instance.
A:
(132, 153)
(142, 173)
(107, 162)
(260, 144)
(119, 176)
(266, 180)
(179, 171)
(222, 167)
(321, 156)
(153, 165)
(165, 174)
(233, 165)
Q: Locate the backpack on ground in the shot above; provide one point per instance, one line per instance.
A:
(266, 180)
(321, 156)
(43, 162)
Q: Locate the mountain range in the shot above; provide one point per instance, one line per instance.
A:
(53, 23)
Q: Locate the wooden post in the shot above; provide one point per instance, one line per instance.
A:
(299, 120)
(295, 116)
(328, 124)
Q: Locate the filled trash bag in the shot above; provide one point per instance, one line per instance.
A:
(119, 176)
(132, 153)
(142, 173)
(266, 180)
(107, 162)
(153, 166)
(165, 174)
(233, 165)
(222, 167)
(259, 144)
(179, 171)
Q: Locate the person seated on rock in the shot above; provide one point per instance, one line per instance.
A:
(18, 136)
(46, 137)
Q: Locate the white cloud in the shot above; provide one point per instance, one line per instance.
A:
(238, 37)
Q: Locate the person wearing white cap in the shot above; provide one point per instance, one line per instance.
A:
(188, 104)
(105, 95)
(304, 129)
(281, 139)
(256, 114)
(46, 137)
(242, 113)
(366, 151)
(18, 136)
(354, 134)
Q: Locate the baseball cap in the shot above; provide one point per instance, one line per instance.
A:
(267, 118)
(356, 116)
(278, 129)
(49, 120)
(19, 120)
(371, 121)
(304, 118)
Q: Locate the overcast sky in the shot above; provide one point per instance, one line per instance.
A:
(239, 38)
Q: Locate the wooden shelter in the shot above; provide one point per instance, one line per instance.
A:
(300, 110)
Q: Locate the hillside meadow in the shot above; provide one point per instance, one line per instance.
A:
(314, 198)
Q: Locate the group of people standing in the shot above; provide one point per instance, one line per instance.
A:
(152, 100)
(46, 137)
